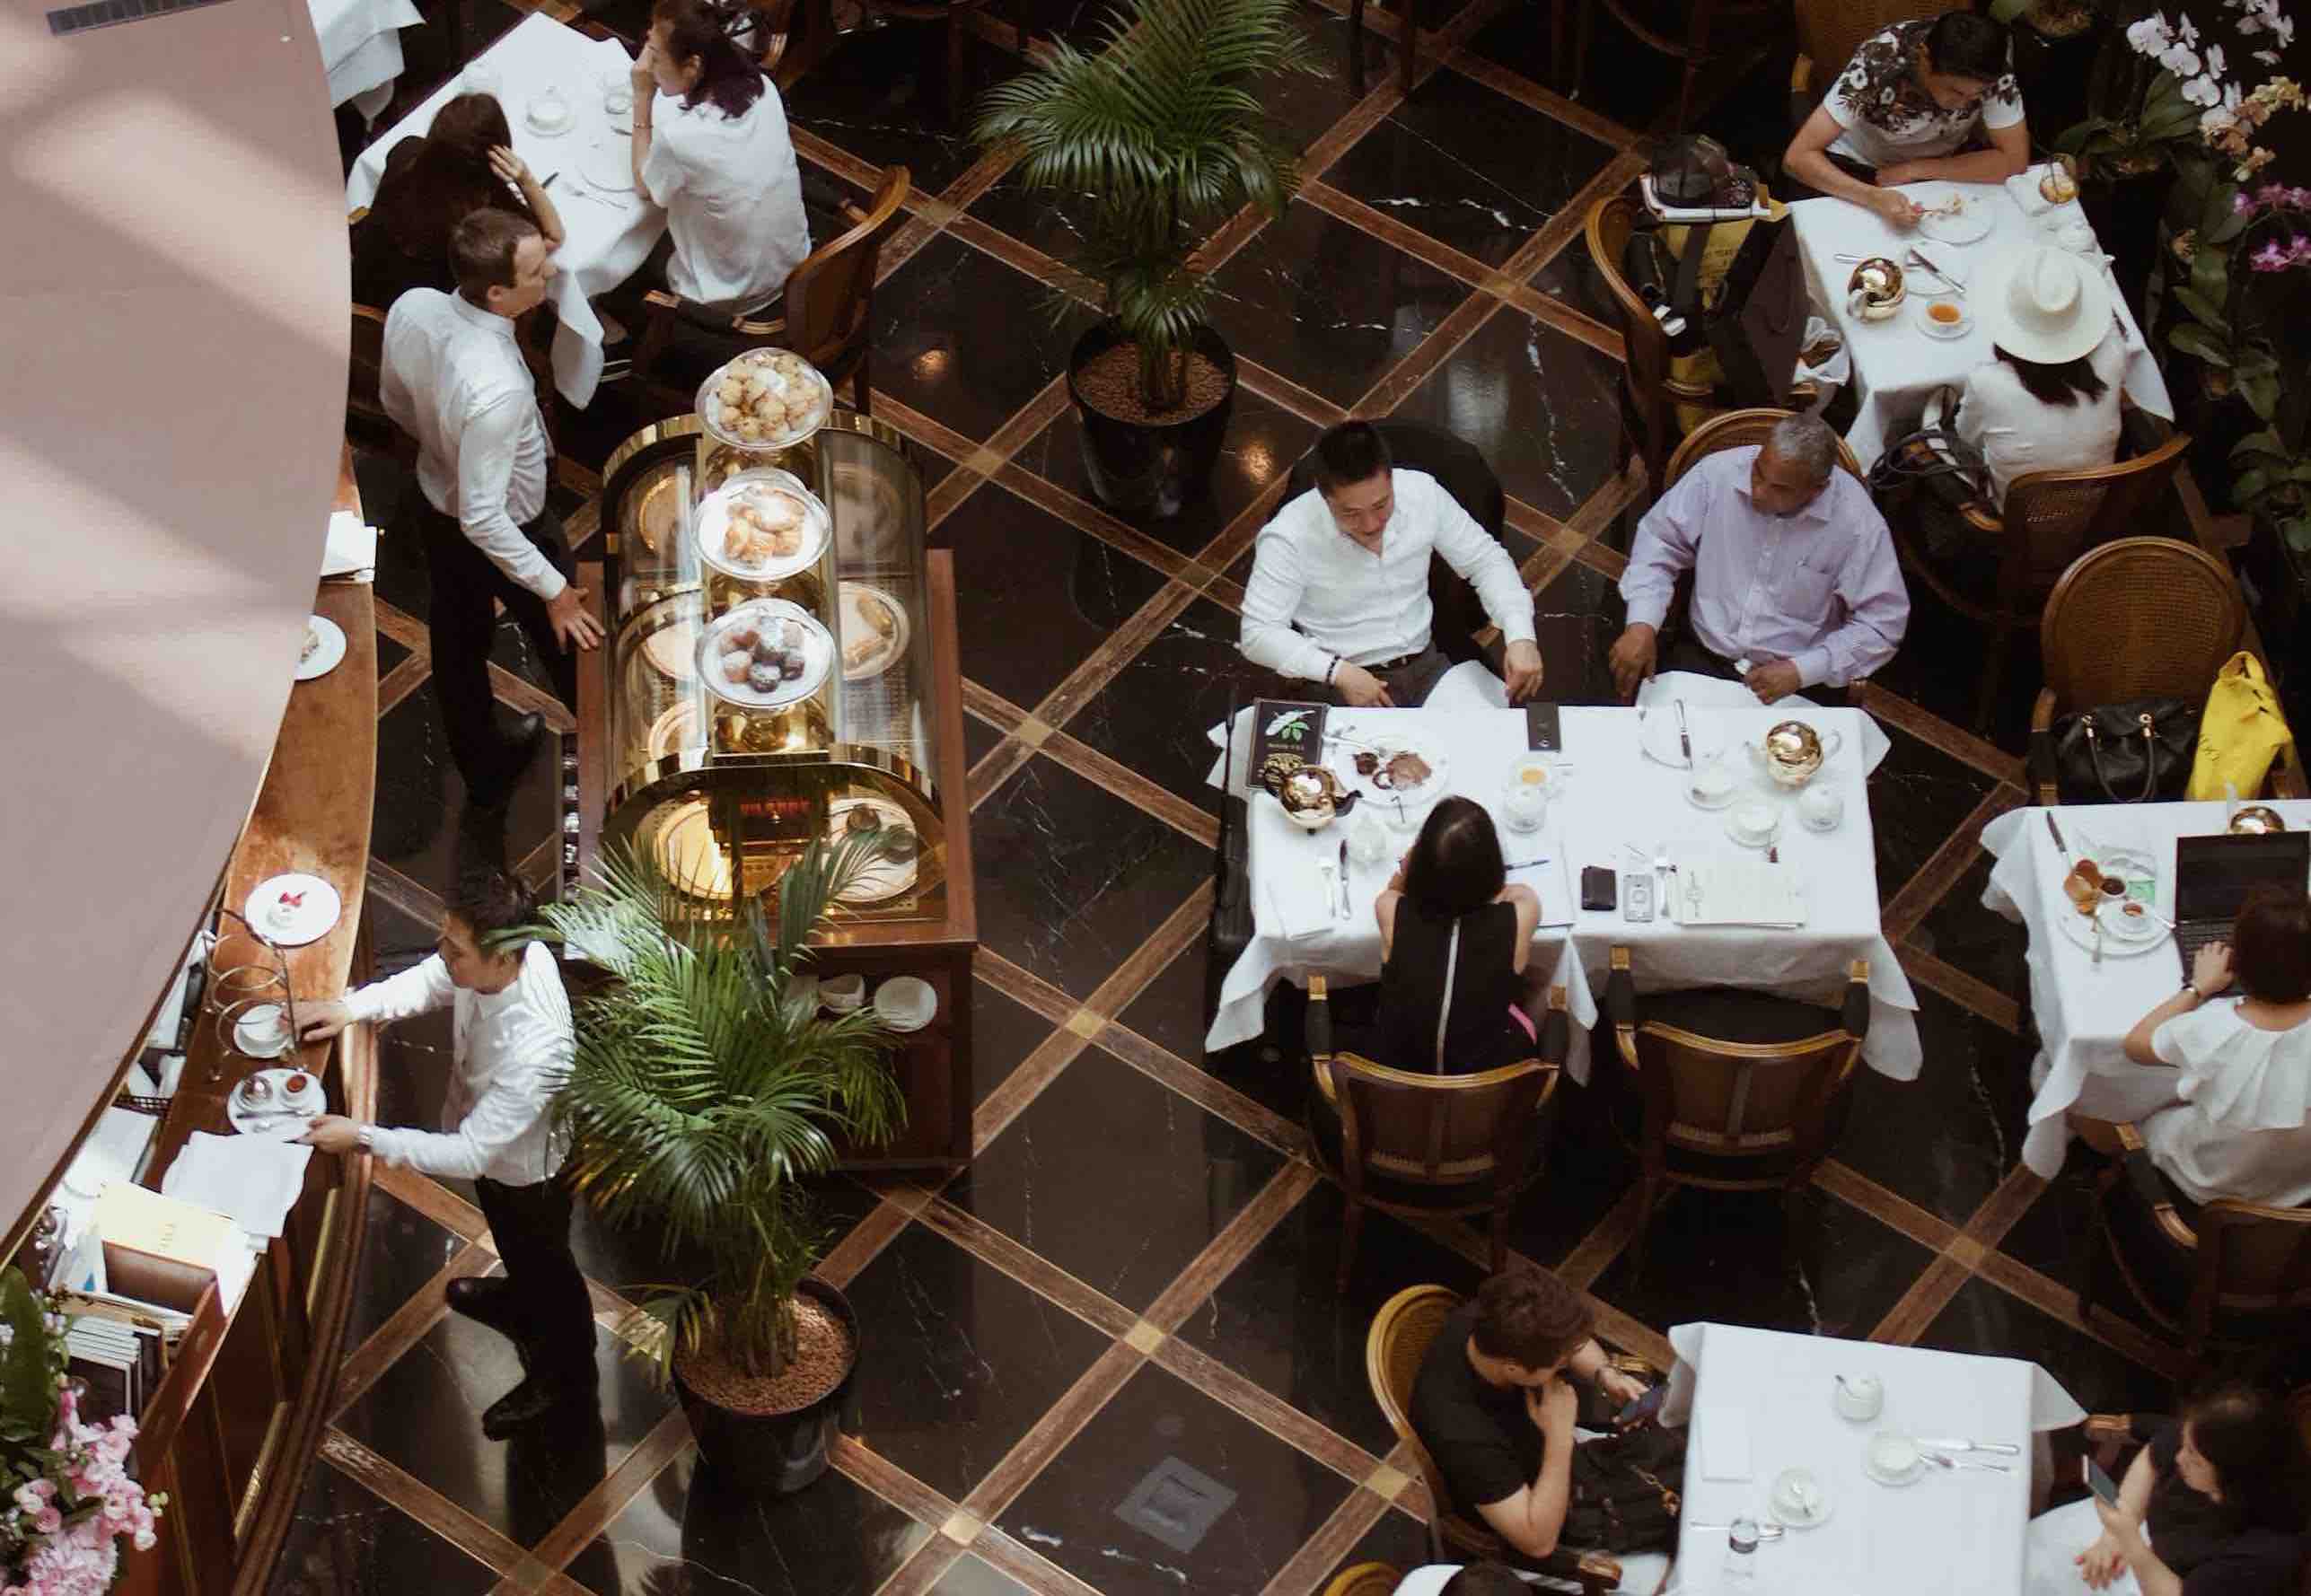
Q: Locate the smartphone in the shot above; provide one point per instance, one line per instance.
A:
(1637, 895)
(1642, 1407)
(2098, 1482)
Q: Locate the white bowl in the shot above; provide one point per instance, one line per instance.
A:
(906, 1003)
(1891, 1457)
(842, 993)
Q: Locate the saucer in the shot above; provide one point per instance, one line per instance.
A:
(1891, 1477)
(2138, 927)
(1823, 826)
(248, 1039)
(1699, 799)
(327, 651)
(1946, 330)
(274, 1119)
(309, 907)
(1764, 840)
(1785, 1508)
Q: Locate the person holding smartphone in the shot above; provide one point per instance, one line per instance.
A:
(2214, 1506)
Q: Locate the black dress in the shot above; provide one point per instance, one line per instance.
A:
(1480, 1035)
(2201, 1540)
(387, 263)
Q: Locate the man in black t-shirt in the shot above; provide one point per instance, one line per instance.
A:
(1494, 1400)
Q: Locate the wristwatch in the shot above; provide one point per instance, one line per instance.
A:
(2192, 988)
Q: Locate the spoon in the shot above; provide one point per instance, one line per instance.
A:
(1940, 1461)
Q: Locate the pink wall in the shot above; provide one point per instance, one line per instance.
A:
(172, 350)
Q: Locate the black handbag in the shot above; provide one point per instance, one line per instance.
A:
(2137, 752)
(1626, 1491)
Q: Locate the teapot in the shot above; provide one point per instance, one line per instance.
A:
(1793, 751)
(1875, 290)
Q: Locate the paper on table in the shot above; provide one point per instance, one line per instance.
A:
(352, 548)
(1297, 915)
(1742, 892)
(251, 1180)
(1722, 1431)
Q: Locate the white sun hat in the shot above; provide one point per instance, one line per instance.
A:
(2046, 305)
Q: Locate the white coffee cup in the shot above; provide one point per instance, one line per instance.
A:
(1713, 781)
(1821, 808)
(1754, 821)
(1857, 1397)
(1892, 1454)
(267, 1025)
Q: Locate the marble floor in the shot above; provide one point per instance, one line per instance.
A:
(1136, 1269)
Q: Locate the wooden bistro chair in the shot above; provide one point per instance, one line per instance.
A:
(2048, 519)
(826, 315)
(2111, 1437)
(1394, 1347)
(2140, 618)
(2243, 1269)
(1648, 413)
(1749, 1111)
(1692, 32)
(1365, 1579)
(1421, 1145)
(1829, 32)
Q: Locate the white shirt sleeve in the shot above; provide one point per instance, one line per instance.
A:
(1270, 598)
(485, 467)
(662, 170)
(1483, 563)
(508, 1109)
(414, 991)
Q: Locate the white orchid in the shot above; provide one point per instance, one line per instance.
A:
(2151, 35)
(2202, 91)
(2180, 59)
(2185, 29)
(2217, 67)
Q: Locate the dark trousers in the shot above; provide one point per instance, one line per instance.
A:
(461, 630)
(548, 1306)
(1688, 653)
(1409, 684)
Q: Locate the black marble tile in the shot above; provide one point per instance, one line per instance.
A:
(1541, 405)
(691, 1533)
(390, 654)
(421, 824)
(1003, 1032)
(1575, 616)
(1272, 1070)
(1983, 1319)
(1589, 1169)
(1042, 594)
(1571, 277)
(400, 1251)
(979, 737)
(966, 1359)
(1918, 795)
(1278, 1496)
(1302, 106)
(881, 96)
(1264, 441)
(1469, 167)
(1946, 1139)
(1397, 1540)
(1071, 878)
(1279, 1320)
(938, 350)
(1327, 305)
(1117, 1180)
(423, 1413)
(346, 1541)
(1734, 1256)
(2053, 1235)
(1962, 932)
(1154, 716)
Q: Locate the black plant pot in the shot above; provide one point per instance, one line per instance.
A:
(1150, 469)
(776, 1453)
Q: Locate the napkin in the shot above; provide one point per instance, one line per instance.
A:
(352, 548)
(2024, 186)
(251, 1180)
(1297, 916)
(1724, 1434)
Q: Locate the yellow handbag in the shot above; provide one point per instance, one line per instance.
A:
(2241, 733)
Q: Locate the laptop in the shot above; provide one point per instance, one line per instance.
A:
(2214, 874)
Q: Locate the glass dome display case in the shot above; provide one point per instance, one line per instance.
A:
(781, 666)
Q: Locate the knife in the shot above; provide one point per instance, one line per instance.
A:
(2057, 833)
(1684, 743)
(1945, 1441)
(1344, 892)
(1919, 256)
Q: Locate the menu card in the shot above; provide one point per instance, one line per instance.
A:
(1284, 726)
(1739, 893)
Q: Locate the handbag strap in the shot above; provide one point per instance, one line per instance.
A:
(1444, 1008)
(2149, 761)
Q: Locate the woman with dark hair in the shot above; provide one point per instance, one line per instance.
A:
(1453, 935)
(710, 145)
(2242, 1128)
(2214, 1506)
(1910, 101)
(2050, 400)
(462, 163)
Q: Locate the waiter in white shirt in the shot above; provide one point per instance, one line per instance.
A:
(453, 379)
(1339, 580)
(513, 1040)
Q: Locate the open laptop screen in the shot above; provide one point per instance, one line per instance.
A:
(2214, 874)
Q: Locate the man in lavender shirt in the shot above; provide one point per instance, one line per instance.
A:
(1795, 583)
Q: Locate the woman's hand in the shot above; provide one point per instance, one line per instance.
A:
(1403, 863)
(2210, 972)
(2102, 1562)
(646, 70)
(510, 166)
(1898, 211)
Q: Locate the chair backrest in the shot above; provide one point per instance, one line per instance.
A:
(2252, 1259)
(1365, 1579)
(2051, 517)
(1393, 1348)
(1436, 1130)
(2140, 618)
(1612, 221)
(1740, 429)
(1740, 1099)
(829, 296)
(366, 365)
(1829, 31)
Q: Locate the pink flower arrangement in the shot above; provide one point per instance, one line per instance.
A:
(60, 1534)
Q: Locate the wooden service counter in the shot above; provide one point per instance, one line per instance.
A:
(231, 1429)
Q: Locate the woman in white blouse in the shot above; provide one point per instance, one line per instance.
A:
(2049, 399)
(1906, 105)
(2243, 1128)
(710, 145)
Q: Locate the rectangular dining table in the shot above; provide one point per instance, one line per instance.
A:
(1617, 797)
(2084, 1010)
(611, 229)
(361, 48)
(1896, 365)
(1767, 1395)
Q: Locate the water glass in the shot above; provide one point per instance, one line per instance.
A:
(1741, 1556)
(617, 92)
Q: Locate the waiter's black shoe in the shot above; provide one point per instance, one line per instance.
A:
(536, 1397)
(496, 790)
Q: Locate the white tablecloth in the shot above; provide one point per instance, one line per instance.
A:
(1616, 796)
(361, 48)
(2083, 1013)
(610, 235)
(1896, 366)
(1943, 1532)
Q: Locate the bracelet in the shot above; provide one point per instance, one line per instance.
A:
(1331, 671)
(2192, 988)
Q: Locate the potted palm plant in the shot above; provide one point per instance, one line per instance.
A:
(697, 1096)
(1151, 141)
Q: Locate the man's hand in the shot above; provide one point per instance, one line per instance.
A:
(1552, 1407)
(2102, 1562)
(318, 1021)
(1619, 1385)
(1632, 659)
(1774, 681)
(572, 624)
(1522, 661)
(1361, 687)
(1900, 212)
(333, 1133)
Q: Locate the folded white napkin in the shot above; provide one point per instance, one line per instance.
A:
(2024, 186)
(352, 547)
(251, 1180)
(1723, 1430)
(1296, 914)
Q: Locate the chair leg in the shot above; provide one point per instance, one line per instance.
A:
(1584, 25)
(1993, 676)
(2089, 1275)
(1408, 52)
(1648, 1193)
(1685, 93)
(858, 386)
(1349, 1229)
(1356, 46)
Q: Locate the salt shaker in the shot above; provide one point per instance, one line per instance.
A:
(1741, 1556)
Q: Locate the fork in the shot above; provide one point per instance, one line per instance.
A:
(1938, 1460)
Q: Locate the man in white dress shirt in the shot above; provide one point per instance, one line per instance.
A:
(513, 1040)
(1795, 582)
(1339, 580)
(453, 379)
